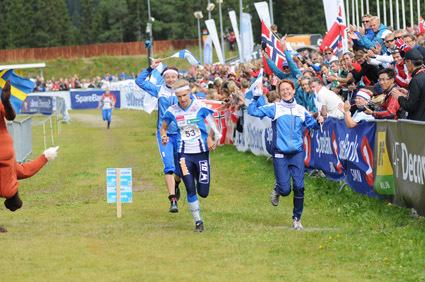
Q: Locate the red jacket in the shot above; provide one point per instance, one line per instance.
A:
(390, 107)
(402, 77)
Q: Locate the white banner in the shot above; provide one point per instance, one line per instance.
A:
(263, 12)
(331, 12)
(133, 97)
(208, 51)
(214, 36)
(256, 133)
(246, 37)
(234, 22)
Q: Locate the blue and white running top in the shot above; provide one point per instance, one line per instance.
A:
(192, 132)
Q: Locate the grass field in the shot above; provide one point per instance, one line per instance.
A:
(67, 232)
(99, 66)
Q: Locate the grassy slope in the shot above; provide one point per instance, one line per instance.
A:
(98, 66)
(67, 232)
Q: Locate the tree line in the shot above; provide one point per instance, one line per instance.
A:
(48, 23)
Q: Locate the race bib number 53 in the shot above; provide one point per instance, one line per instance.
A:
(191, 132)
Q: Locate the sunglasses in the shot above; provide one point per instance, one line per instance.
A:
(365, 21)
(390, 40)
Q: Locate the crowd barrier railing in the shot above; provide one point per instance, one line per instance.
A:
(21, 132)
(381, 159)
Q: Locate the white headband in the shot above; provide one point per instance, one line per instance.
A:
(365, 95)
(183, 88)
(170, 71)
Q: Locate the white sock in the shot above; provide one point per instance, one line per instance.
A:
(196, 210)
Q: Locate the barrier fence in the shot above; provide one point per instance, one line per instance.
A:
(93, 50)
(381, 159)
(21, 132)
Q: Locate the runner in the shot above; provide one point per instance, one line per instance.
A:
(194, 143)
(166, 98)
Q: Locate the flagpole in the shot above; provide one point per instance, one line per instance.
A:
(385, 11)
(241, 59)
(403, 13)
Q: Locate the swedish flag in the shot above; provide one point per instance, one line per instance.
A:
(19, 88)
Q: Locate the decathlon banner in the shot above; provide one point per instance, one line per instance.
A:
(407, 154)
(89, 99)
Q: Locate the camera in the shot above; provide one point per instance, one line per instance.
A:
(371, 105)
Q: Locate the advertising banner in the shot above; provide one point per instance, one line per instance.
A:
(384, 178)
(37, 105)
(89, 99)
(133, 97)
(407, 154)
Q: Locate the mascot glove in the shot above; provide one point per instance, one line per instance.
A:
(51, 153)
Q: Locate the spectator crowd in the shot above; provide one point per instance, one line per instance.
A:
(381, 75)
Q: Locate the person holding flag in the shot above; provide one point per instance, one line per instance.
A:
(193, 143)
(288, 119)
(165, 95)
(10, 170)
(107, 103)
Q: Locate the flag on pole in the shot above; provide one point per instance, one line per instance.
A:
(271, 46)
(20, 87)
(208, 51)
(254, 86)
(156, 77)
(185, 54)
(335, 37)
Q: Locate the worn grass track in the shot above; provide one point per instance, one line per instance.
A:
(67, 232)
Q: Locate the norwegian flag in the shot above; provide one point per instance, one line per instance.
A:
(272, 47)
(336, 35)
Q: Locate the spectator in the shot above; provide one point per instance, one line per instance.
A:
(327, 101)
(362, 98)
(232, 40)
(414, 102)
(402, 77)
(390, 106)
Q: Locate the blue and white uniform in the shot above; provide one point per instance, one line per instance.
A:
(166, 98)
(288, 119)
(193, 149)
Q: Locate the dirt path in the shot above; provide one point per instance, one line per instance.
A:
(94, 120)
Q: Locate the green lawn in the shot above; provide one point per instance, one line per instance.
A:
(67, 232)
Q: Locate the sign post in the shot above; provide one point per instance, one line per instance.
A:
(119, 187)
(119, 211)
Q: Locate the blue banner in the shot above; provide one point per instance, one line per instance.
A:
(37, 104)
(89, 99)
(343, 153)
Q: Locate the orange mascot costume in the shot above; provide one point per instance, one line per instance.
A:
(10, 170)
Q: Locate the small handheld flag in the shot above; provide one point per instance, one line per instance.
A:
(185, 54)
